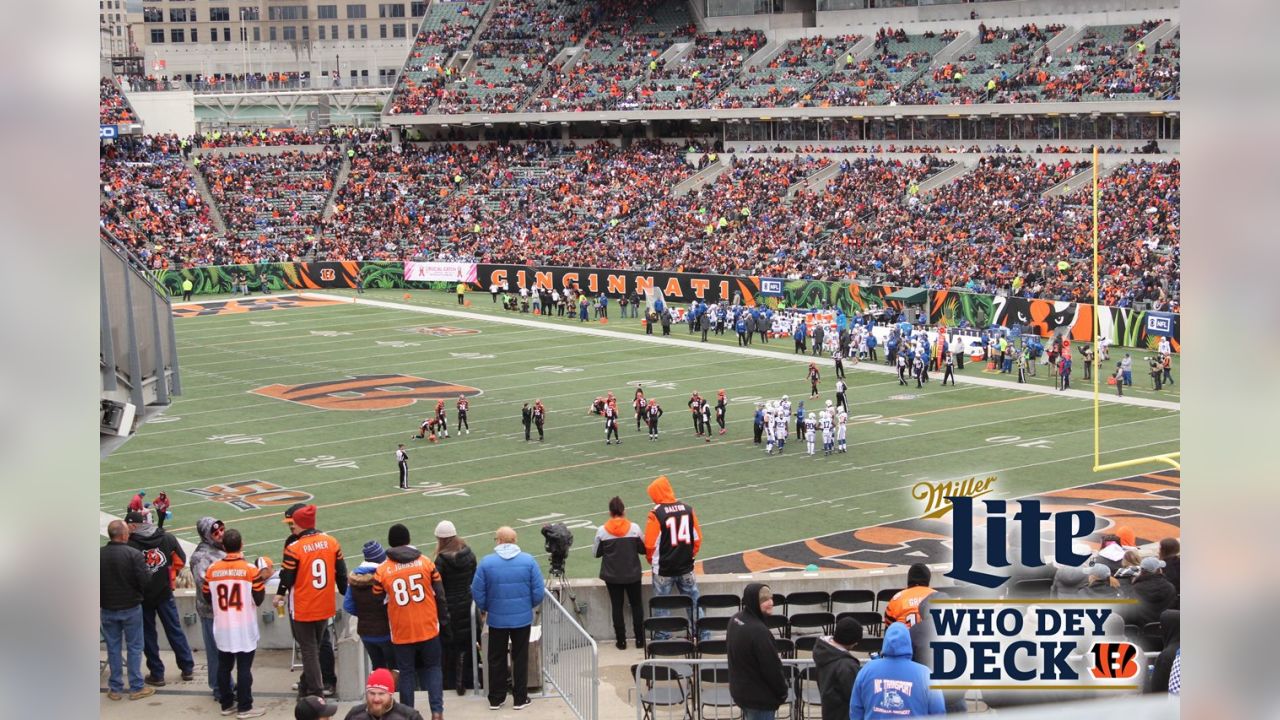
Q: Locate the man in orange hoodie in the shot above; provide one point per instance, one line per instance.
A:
(672, 538)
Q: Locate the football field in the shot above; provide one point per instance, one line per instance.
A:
(307, 401)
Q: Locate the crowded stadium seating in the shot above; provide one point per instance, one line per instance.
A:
(270, 199)
(113, 107)
(603, 204)
(650, 56)
(149, 201)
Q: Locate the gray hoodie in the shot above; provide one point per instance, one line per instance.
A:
(206, 553)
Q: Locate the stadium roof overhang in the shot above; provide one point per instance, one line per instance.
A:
(1127, 107)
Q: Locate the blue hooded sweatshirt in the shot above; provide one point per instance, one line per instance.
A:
(893, 685)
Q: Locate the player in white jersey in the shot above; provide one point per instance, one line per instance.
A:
(824, 423)
(768, 428)
(780, 429)
(842, 430)
(784, 407)
(810, 425)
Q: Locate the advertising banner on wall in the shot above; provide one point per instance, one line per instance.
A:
(675, 287)
(1122, 326)
(440, 272)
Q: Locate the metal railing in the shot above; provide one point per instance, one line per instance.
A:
(570, 660)
(675, 687)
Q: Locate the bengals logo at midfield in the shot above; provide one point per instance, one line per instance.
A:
(1114, 661)
(367, 392)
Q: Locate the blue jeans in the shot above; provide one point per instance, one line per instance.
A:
(381, 654)
(686, 584)
(168, 612)
(211, 652)
(419, 665)
(753, 714)
(126, 625)
(1128, 377)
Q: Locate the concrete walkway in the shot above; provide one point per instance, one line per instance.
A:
(595, 331)
(272, 681)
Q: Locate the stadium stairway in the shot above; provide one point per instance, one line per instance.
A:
(703, 177)
(1162, 31)
(963, 164)
(206, 197)
(339, 180)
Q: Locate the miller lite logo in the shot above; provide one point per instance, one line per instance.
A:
(1114, 660)
(936, 496)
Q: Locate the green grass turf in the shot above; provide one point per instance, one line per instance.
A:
(744, 499)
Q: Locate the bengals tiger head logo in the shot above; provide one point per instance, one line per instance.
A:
(367, 392)
(1114, 660)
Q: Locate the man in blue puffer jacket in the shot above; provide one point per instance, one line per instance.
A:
(893, 685)
(508, 586)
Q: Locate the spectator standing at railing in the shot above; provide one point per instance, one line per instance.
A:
(507, 587)
(165, 559)
(672, 538)
(757, 682)
(456, 563)
(619, 545)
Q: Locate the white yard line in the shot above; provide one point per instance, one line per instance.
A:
(750, 352)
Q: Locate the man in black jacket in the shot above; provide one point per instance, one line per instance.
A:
(1170, 553)
(837, 669)
(165, 559)
(122, 578)
(1170, 624)
(756, 680)
(1154, 593)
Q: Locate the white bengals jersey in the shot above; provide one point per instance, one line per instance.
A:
(231, 584)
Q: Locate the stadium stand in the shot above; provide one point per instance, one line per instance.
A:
(786, 78)
(271, 202)
(113, 107)
(150, 202)
(616, 56)
(512, 55)
(446, 29)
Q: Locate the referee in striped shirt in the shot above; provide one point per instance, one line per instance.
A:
(402, 460)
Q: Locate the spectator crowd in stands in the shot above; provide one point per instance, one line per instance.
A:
(992, 229)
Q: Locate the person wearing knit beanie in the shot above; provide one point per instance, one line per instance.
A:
(837, 668)
(374, 552)
(904, 606)
(379, 699)
(305, 518)
(445, 529)
(398, 536)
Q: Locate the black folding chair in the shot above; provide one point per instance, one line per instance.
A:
(872, 622)
(805, 643)
(724, 604)
(854, 597)
(713, 692)
(713, 647)
(808, 695)
(713, 627)
(822, 623)
(884, 596)
(655, 626)
(665, 686)
(818, 600)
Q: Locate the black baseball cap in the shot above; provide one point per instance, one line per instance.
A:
(288, 514)
(311, 707)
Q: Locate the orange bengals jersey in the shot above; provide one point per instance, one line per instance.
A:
(314, 558)
(904, 607)
(411, 600)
